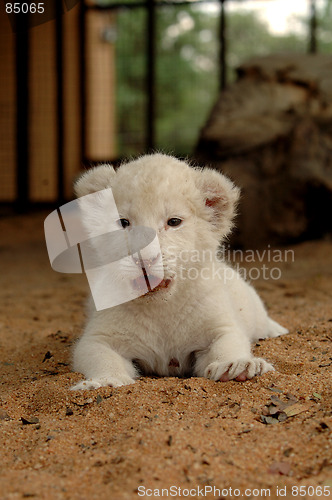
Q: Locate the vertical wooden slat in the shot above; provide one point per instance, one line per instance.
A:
(100, 87)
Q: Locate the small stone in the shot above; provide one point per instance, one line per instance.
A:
(32, 420)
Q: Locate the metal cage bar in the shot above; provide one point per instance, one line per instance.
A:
(22, 114)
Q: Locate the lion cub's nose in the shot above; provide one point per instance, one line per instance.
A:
(146, 263)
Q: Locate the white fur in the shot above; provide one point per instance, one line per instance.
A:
(206, 318)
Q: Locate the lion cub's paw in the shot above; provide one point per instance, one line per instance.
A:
(95, 383)
(240, 370)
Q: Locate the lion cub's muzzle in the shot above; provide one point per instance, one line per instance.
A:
(153, 275)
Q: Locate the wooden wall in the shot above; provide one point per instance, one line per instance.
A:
(43, 112)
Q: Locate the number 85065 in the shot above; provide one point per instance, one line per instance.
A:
(25, 8)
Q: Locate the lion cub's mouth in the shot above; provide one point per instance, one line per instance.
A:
(151, 282)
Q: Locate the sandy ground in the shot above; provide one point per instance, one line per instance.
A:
(264, 438)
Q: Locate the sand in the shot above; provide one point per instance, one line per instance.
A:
(160, 437)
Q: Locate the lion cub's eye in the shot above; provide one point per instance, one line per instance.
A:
(123, 222)
(174, 221)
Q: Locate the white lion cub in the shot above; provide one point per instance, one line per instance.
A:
(201, 317)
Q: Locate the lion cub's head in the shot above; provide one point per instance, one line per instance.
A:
(189, 210)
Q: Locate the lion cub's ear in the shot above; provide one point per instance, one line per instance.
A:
(221, 197)
(93, 180)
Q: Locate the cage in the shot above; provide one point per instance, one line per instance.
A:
(100, 80)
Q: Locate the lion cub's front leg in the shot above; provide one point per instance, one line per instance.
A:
(229, 357)
(101, 365)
